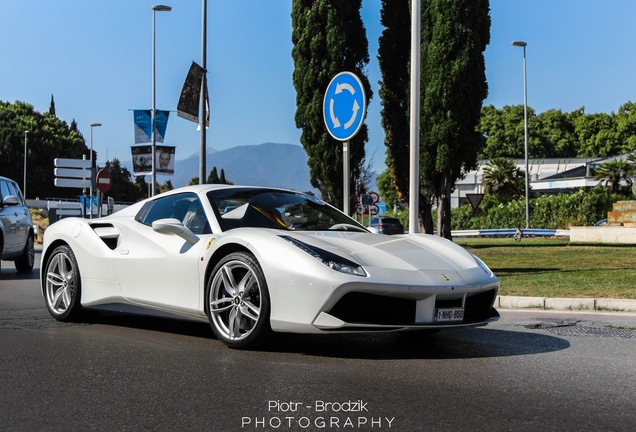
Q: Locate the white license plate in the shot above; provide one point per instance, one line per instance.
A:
(450, 314)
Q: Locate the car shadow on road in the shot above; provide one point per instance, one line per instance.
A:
(450, 344)
(147, 322)
(8, 272)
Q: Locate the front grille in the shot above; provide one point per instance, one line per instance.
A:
(363, 308)
(478, 307)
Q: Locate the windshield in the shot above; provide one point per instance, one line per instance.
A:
(268, 208)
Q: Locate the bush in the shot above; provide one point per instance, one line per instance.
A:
(582, 208)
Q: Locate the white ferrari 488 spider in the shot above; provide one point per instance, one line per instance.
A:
(255, 260)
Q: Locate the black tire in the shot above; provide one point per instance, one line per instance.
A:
(238, 302)
(62, 285)
(25, 262)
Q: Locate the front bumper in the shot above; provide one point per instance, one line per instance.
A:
(360, 311)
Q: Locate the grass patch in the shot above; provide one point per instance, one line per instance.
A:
(556, 268)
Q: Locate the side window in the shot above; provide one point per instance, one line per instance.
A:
(4, 190)
(185, 207)
(195, 218)
(14, 190)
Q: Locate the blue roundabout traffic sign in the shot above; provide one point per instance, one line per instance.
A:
(344, 106)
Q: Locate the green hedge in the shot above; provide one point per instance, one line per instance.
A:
(582, 208)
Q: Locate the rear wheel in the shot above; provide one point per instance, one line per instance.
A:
(25, 262)
(62, 285)
(238, 301)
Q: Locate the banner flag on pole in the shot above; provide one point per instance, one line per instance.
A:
(143, 128)
(161, 123)
(141, 159)
(188, 106)
(164, 161)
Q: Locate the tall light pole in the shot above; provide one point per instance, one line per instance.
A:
(153, 188)
(202, 99)
(90, 199)
(414, 134)
(525, 125)
(25, 163)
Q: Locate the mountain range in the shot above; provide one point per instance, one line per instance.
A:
(268, 164)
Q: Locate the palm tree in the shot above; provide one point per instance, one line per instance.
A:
(616, 175)
(631, 158)
(503, 179)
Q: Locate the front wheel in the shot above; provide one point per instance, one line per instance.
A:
(62, 285)
(238, 301)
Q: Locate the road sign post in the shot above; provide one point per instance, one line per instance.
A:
(104, 181)
(344, 108)
(74, 173)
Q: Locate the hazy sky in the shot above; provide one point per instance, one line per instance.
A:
(95, 59)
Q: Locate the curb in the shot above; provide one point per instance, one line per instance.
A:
(592, 304)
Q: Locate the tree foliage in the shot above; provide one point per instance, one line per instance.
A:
(453, 86)
(214, 178)
(582, 208)
(48, 138)
(557, 134)
(616, 176)
(393, 57)
(328, 38)
(388, 190)
(503, 180)
(123, 188)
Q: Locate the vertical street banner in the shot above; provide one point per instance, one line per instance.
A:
(143, 125)
(143, 120)
(141, 160)
(164, 162)
(188, 106)
(161, 123)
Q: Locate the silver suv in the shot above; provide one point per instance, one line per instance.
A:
(16, 227)
(386, 225)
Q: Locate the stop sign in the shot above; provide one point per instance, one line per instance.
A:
(104, 180)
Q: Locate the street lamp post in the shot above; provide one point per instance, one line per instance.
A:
(25, 163)
(203, 94)
(525, 125)
(153, 187)
(414, 132)
(90, 199)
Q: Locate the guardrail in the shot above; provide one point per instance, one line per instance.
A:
(517, 233)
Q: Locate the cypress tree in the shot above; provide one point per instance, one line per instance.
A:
(455, 34)
(394, 52)
(329, 37)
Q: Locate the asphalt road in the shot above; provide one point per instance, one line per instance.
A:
(531, 371)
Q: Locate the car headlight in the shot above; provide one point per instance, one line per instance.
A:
(329, 259)
(483, 266)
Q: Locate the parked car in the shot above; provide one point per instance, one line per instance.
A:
(386, 225)
(254, 260)
(16, 227)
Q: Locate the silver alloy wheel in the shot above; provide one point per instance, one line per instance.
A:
(235, 298)
(62, 283)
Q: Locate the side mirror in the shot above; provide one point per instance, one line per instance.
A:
(174, 226)
(11, 200)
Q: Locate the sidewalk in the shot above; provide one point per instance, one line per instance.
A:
(575, 304)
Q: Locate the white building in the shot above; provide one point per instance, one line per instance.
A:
(547, 176)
